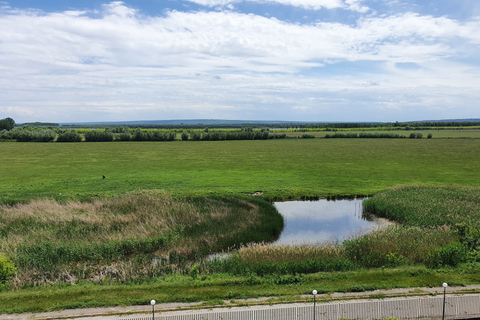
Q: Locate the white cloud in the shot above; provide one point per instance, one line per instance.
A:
(354, 5)
(121, 65)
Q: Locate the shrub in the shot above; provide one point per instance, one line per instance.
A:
(124, 136)
(42, 135)
(307, 136)
(139, 135)
(185, 136)
(450, 255)
(97, 136)
(416, 135)
(69, 136)
(7, 269)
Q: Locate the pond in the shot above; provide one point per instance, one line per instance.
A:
(324, 220)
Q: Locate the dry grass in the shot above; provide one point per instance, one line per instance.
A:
(261, 252)
(131, 216)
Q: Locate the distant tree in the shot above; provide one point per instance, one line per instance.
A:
(69, 136)
(7, 124)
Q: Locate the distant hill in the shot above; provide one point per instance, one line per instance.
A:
(179, 122)
(210, 122)
(452, 120)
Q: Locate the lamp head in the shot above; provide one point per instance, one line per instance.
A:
(314, 292)
(445, 285)
(152, 302)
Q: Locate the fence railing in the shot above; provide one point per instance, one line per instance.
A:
(456, 307)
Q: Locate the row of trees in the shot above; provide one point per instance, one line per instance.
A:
(384, 135)
(38, 134)
(137, 135)
(243, 134)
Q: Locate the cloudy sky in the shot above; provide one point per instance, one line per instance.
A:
(292, 60)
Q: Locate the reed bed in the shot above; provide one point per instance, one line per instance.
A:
(438, 226)
(263, 252)
(144, 234)
(396, 245)
(427, 206)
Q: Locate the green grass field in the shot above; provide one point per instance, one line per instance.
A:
(278, 168)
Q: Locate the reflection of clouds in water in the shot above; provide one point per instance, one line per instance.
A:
(305, 236)
(319, 210)
(312, 221)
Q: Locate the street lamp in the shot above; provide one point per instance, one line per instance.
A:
(445, 285)
(153, 309)
(314, 292)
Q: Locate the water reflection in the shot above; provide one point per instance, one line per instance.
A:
(322, 220)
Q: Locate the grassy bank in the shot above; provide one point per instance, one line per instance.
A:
(214, 288)
(278, 168)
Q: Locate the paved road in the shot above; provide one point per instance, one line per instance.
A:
(110, 313)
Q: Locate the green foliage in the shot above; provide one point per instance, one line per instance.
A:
(450, 255)
(468, 235)
(46, 255)
(98, 136)
(416, 135)
(34, 135)
(124, 136)
(362, 288)
(366, 135)
(420, 205)
(7, 124)
(195, 271)
(139, 135)
(235, 266)
(307, 136)
(7, 269)
(395, 245)
(69, 136)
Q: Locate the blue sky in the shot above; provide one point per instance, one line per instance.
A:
(289, 60)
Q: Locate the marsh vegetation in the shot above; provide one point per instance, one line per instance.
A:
(134, 236)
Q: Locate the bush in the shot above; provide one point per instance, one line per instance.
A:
(42, 135)
(124, 136)
(69, 136)
(307, 136)
(7, 269)
(416, 135)
(97, 136)
(450, 255)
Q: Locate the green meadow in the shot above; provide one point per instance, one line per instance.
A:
(289, 168)
(78, 239)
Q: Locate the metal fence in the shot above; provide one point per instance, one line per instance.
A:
(457, 307)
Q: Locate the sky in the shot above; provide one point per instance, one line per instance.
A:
(277, 60)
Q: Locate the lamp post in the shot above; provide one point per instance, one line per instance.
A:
(314, 292)
(153, 309)
(445, 285)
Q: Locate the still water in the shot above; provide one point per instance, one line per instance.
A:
(322, 220)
